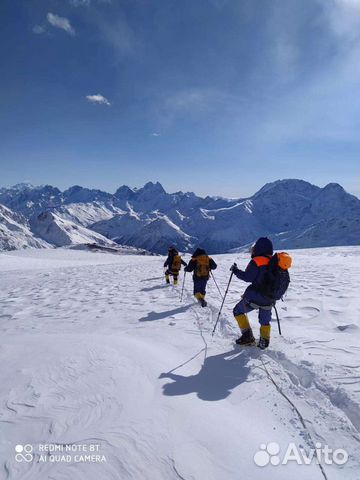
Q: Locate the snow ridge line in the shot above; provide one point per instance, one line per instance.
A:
(301, 418)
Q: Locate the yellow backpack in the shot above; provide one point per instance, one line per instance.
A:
(202, 266)
(176, 263)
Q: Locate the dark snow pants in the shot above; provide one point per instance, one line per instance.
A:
(244, 307)
(200, 284)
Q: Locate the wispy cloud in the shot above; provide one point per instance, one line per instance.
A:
(60, 22)
(79, 3)
(38, 29)
(119, 35)
(194, 99)
(155, 134)
(98, 99)
(86, 3)
(193, 103)
(343, 17)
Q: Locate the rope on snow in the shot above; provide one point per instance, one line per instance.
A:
(301, 418)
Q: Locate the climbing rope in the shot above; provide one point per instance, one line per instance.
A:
(301, 418)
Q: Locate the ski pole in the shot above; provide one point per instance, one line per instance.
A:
(226, 291)
(217, 286)
(278, 320)
(182, 290)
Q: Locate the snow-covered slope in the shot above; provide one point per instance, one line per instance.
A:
(154, 232)
(158, 234)
(336, 230)
(15, 233)
(98, 351)
(86, 214)
(59, 232)
(121, 227)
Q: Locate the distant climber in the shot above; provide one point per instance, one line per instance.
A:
(173, 265)
(269, 277)
(201, 265)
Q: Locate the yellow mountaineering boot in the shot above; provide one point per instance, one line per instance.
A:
(175, 281)
(201, 298)
(247, 337)
(243, 321)
(264, 339)
(167, 278)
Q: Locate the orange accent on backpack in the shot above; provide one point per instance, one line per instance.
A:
(284, 260)
(261, 261)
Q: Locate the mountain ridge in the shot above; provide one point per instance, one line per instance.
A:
(293, 212)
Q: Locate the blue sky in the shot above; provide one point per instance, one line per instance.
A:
(213, 96)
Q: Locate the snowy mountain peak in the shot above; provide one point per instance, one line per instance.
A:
(22, 186)
(333, 192)
(288, 186)
(151, 194)
(154, 188)
(333, 187)
(78, 194)
(124, 193)
(74, 189)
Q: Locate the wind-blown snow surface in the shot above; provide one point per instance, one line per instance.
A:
(96, 349)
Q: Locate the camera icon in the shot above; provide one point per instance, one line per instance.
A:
(24, 453)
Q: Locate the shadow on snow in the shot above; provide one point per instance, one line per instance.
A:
(151, 316)
(157, 287)
(153, 278)
(218, 376)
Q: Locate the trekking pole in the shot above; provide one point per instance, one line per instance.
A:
(226, 291)
(217, 286)
(182, 290)
(278, 320)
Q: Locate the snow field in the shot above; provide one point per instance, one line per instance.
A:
(98, 350)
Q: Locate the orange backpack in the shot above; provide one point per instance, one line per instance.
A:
(176, 263)
(202, 266)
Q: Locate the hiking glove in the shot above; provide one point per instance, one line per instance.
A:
(234, 268)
